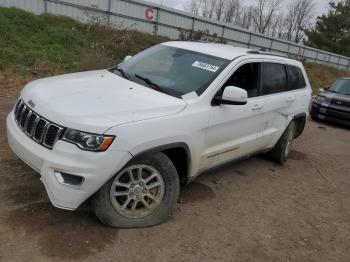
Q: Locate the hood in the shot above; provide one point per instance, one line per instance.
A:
(337, 99)
(330, 94)
(97, 100)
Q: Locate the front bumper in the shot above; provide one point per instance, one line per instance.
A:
(331, 113)
(95, 168)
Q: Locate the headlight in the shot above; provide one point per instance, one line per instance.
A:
(322, 99)
(87, 141)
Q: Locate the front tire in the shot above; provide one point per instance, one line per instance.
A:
(141, 195)
(280, 152)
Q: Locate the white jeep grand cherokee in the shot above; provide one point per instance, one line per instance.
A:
(125, 138)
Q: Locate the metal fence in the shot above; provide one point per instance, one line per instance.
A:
(156, 19)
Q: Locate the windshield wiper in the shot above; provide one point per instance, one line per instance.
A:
(122, 72)
(151, 84)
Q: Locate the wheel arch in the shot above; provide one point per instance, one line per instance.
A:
(300, 122)
(179, 153)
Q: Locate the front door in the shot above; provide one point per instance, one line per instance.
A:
(235, 130)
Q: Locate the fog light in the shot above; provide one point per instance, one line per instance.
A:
(68, 179)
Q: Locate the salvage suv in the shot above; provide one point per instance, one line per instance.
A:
(127, 137)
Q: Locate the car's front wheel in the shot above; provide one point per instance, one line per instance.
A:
(142, 194)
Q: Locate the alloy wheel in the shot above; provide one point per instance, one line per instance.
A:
(137, 191)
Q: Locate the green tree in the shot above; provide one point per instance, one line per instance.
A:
(332, 31)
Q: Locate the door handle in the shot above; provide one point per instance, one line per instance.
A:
(257, 107)
(290, 99)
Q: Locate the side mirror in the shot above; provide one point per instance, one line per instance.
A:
(127, 58)
(232, 95)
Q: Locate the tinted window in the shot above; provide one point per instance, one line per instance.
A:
(295, 78)
(274, 78)
(247, 77)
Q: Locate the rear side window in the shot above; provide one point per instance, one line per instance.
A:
(274, 78)
(295, 78)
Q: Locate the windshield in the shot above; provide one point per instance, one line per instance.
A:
(341, 86)
(173, 71)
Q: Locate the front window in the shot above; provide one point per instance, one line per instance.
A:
(341, 86)
(172, 70)
(246, 77)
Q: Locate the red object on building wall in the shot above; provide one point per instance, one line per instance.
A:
(149, 13)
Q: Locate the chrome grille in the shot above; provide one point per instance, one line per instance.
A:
(36, 127)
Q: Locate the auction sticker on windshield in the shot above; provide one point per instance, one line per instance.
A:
(205, 66)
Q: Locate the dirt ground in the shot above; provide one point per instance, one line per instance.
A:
(251, 211)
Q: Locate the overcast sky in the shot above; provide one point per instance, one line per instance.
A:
(321, 6)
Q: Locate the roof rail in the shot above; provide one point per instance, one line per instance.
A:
(201, 41)
(256, 52)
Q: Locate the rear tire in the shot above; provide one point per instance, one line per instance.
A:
(143, 194)
(280, 152)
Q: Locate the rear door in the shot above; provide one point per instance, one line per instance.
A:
(281, 99)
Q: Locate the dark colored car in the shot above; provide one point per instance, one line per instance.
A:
(333, 103)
